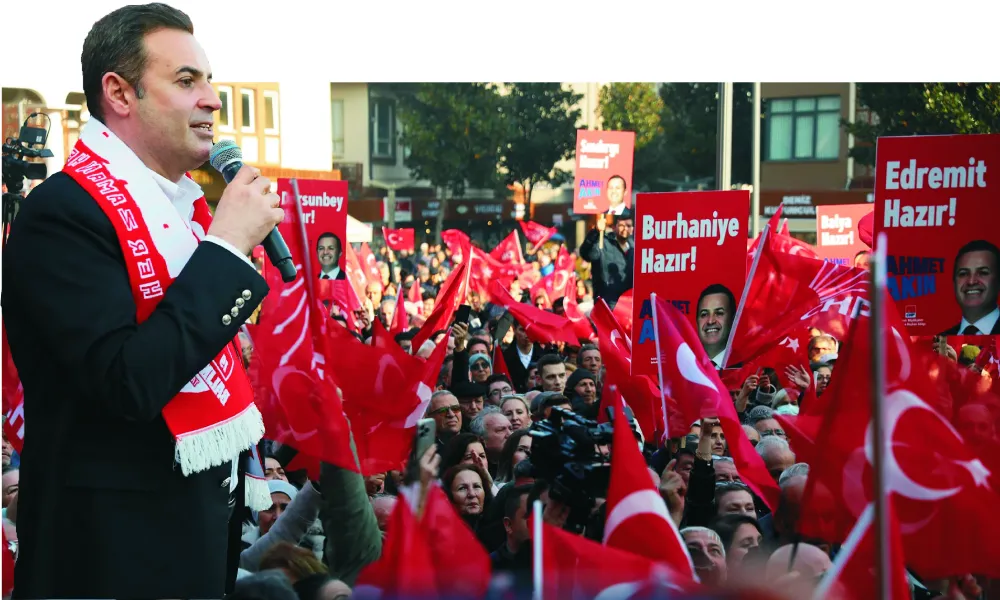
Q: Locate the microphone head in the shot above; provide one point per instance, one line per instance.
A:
(225, 152)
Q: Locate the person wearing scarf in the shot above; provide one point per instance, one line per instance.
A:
(123, 302)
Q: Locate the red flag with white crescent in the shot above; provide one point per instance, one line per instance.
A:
(399, 239)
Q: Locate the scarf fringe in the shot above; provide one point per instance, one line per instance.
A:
(257, 493)
(220, 443)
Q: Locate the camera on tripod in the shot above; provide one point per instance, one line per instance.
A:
(30, 144)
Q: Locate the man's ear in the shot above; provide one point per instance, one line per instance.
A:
(118, 95)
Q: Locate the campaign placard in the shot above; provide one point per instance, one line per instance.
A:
(603, 172)
(690, 249)
(324, 212)
(936, 199)
(837, 238)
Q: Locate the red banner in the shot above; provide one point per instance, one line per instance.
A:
(399, 239)
(837, 237)
(324, 210)
(934, 202)
(603, 171)
(690, 248)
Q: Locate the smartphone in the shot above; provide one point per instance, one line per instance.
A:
(423, 439)
(463, 313)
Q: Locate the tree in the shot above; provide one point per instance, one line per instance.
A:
(690, 125)
(454, 132)
(636, 107)
(541, 131)
(923, 109)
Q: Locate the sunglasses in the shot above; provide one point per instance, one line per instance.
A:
(480, 366)
(454, 408)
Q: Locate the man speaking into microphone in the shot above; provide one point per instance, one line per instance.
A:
(123, 300)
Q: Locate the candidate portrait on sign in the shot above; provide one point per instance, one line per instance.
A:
(975, 280)
(616, 190)
(328, 251)
(714, 318)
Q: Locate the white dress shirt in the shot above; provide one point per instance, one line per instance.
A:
(332, 274)
(984, 325)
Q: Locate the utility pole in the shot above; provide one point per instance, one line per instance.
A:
(724, 138)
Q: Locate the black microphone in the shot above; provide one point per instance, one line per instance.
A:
(227, 158)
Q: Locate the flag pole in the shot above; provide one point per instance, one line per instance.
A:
(659, 371)
(536, 543)
(878, 385)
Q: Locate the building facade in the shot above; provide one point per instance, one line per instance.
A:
(804, 161)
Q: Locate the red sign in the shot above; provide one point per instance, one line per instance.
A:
(837, 236)
(603, 171)
(936, 201)
(690, 248)
(324, 212)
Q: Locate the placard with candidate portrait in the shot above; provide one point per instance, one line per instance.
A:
(937, 199)
(690, 249)
(603, 182)
(324, 212)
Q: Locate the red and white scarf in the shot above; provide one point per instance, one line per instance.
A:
(213, 417)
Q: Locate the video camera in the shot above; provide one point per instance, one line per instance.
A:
(16, 168)
(564, 453)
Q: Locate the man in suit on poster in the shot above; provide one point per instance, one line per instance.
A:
(328, 251)
(976, 287)
(123, 300)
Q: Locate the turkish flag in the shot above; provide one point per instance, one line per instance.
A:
(370, 264)
(539, 325)
(456, 241)
(853, 576)
(462, 567)
(942, 494)
(537, 234)
(355, 271)
(499, 362)
(581, 324)
(576, 567)
(13, 399)
(786, 292)
(623, 310)
(399, 239)
(688, 376)
(407, 567)
(508, 251)
(483, 269)
(637, 519)
(386, 391)
(453, 292)
(289, 370)
(554, 286)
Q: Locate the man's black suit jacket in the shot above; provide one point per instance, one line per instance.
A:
(954, 330)
(104, 510)
(518, 373)
(340, 275)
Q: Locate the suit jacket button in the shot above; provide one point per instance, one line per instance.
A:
(246, 294)
(225, 482)
(240, 302)
(235, 311)
(226, 319)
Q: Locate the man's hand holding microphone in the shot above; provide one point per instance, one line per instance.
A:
(248, 210)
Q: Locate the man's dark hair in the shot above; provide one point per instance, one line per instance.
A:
(330, 234)
(548, 360)
(498, 377)
(585, 348)
(613, 177)
(514, 500)
(860, 252)
(477, 342)
(718, 288)
(116, 44)
(406, 335)
(427, 296)
(726, 527)
(976, 246)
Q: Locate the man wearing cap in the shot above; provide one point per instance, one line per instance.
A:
(471, 398)
(611, 257)
(581, 387)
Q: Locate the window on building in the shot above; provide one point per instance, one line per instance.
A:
(337, 122)
(247, 116)
(383, 128)
(226, 112)
(271, 113)
(803, 128)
